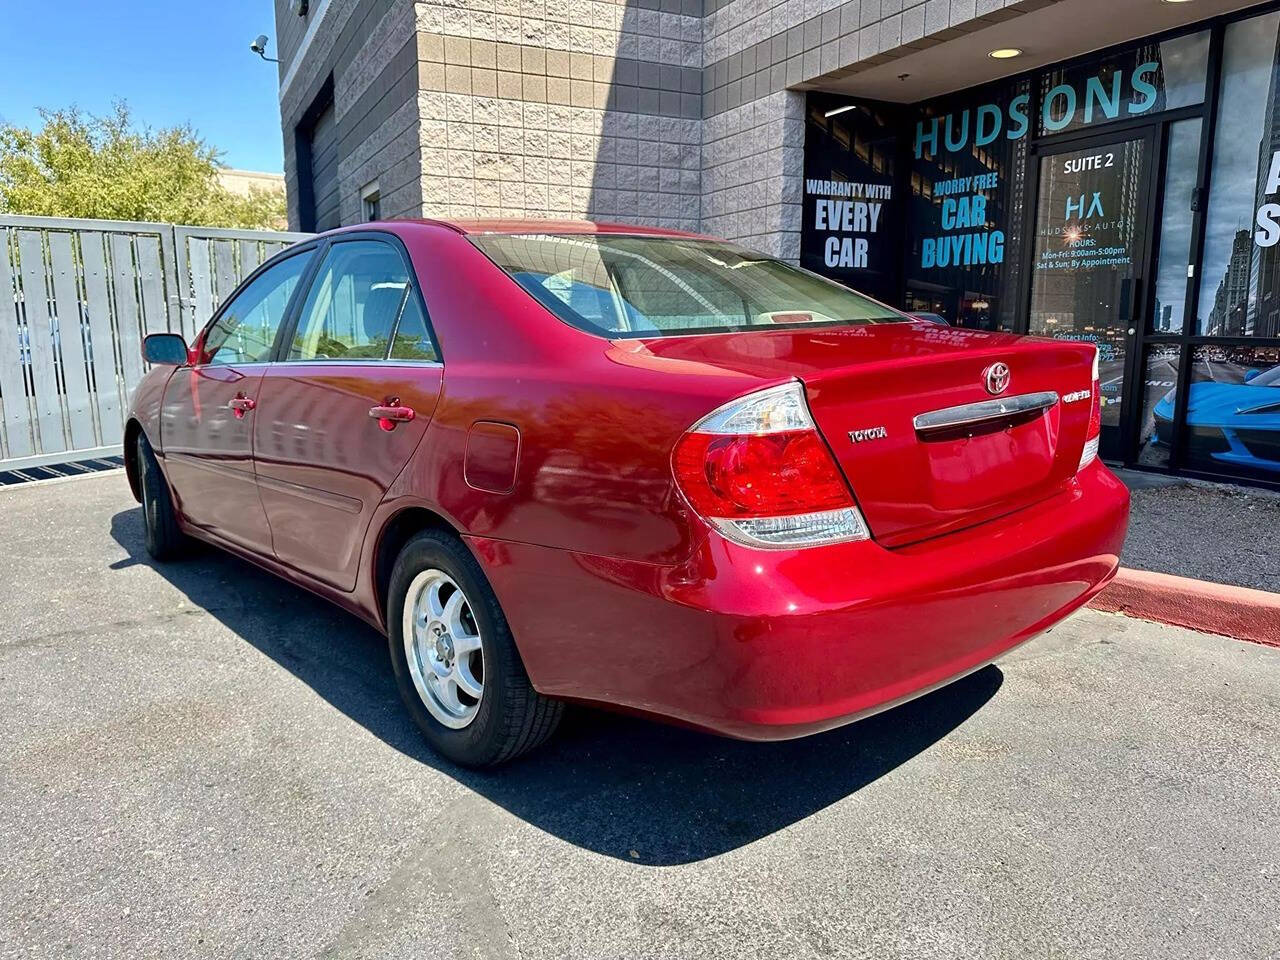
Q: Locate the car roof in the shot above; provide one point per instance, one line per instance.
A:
(519, 226)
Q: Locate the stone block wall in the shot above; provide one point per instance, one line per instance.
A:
(561, 109)
(677, 113)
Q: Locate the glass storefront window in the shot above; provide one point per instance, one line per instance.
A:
(1090, 229)
(1152, 235)
(852, 214)
(967, 203)
(1145, 80)
(1240, 268)
(1233, 411)
(1180, 170)
(1159, 392)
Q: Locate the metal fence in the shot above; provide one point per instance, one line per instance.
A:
(76, 298)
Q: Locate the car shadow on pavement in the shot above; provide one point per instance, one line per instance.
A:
(628, 788)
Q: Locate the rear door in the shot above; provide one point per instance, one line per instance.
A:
(346, 405)
(209, 408)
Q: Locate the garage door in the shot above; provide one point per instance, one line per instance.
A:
(324, 169)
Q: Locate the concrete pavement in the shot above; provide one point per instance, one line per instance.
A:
(200, 760)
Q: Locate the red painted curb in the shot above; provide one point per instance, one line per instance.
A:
(1198, 604)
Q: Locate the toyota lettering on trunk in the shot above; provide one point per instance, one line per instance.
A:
(870, 433)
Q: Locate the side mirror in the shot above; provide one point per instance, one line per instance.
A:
(166, 348)
(1253, 374)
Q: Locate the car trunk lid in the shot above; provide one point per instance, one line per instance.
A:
(926, 447)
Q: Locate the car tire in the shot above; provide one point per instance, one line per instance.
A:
(164, 539)
(450, 641)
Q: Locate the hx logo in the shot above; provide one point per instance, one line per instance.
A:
(1076, 207)
(871, 433)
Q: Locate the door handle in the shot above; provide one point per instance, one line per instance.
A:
(241, 405)
(389, 414)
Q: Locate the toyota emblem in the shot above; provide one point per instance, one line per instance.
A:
(997, 377)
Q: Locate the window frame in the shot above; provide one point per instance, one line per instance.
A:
(280, 352)
(304, 283)
(371, 202)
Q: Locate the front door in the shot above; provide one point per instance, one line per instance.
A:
(344, 409)
(209, 409)
(1089, 255)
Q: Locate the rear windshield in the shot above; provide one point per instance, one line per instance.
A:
(625, 286)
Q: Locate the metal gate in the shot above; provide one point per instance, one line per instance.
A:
(76, 298)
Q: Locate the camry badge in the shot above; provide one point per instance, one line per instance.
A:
(871, 433)
(997, 378)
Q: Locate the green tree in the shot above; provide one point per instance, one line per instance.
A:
(104, 167)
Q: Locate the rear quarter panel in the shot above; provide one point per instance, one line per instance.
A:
(597, 419)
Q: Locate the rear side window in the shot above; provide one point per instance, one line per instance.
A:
(361, 295)
(412, 340)
(626, 286)
(246, 329)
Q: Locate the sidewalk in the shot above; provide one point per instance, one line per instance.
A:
(1200, 555)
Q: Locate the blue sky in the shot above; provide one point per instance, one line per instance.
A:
(174, 61)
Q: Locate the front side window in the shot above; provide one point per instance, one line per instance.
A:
(354, 306)
(246, 329)
(627, 286)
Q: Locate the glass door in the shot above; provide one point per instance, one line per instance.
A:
(1089, 253)
(1171, 280)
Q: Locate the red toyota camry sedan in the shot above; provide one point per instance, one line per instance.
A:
(574, 462)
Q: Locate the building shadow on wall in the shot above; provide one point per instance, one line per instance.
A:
(614, 785)
(648, 155)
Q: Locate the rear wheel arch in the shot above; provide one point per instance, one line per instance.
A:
(395, 533)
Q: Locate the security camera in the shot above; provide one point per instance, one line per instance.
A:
(259, 46)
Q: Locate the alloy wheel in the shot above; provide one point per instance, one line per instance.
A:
(443, 648)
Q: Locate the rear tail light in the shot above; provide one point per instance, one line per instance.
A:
(757, 470)
(1095, 419)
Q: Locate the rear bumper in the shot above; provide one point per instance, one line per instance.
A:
(777, 644)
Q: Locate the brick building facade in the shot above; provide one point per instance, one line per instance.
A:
(683, 113)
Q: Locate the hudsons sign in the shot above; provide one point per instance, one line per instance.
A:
(1106, 96)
